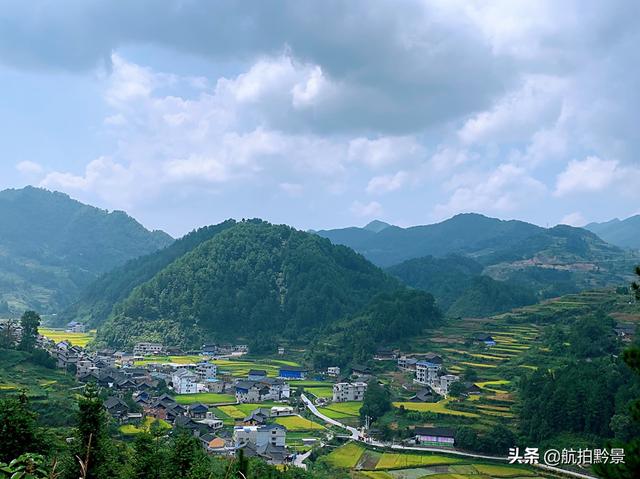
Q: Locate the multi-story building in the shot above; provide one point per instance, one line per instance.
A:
(206, 370)
(260, 436)
(184, 382)
(333, 371)
(147, 349)
(343, 392)
(263, 390)
(446, 381)
(427, 373)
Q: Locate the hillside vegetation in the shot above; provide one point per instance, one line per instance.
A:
(97, 300)
(52, 246)
(251, 278)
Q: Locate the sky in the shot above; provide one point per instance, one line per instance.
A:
(325, 114)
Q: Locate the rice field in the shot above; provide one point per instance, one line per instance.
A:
(298, 423)
(76, 339)
(132, 429)
(391, 460)
(346, 457)
(204, 398)
(439, 407)
(342, 410)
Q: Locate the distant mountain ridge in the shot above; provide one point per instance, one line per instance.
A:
(52, 246)
(552, 260)
(623, 233)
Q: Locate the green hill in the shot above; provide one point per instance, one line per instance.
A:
(252, 278)
(459, 288)
(548, 260)
(97, 300)
(622, 233)
(52, 246)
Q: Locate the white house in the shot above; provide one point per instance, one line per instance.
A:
(260, 436)
(333, 371)
(147, 349)
(206, 370)
(446, 381)
(343, 392)
(427, 372)
(184, 382)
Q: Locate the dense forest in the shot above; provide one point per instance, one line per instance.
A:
(459, 288)
(97, 300)
(252, 277)
(52, 246)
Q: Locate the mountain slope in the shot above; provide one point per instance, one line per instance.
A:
(51, 246)
(459, 288)
(97, 300)
(622, 233)
(505, 249)
(251, 278)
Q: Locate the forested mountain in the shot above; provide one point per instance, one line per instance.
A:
(550, 261)
(622, 233)
(459, 288)
(51, 246)
(252, 278)
(97, 300)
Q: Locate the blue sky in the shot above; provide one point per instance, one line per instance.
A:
(325, 114)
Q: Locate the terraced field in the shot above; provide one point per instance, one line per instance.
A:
(76, 339)
(298, 423)
(372, 464)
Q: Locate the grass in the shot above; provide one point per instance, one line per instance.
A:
(298, 423)
(502, 471)
(346, 457)
(205, 398)
(434, 407)
(77, 339)
(342, 410)
(132, 429)
(391, 460)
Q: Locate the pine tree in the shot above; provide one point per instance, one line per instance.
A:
(29, 322)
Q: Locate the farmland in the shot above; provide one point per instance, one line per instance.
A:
(371, 464)
(298, 423)
(204, 398)
(76, 339)
(131, 429)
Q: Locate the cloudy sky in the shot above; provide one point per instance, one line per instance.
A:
(325, 114)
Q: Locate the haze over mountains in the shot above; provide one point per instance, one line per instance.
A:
(105, 269)
(623, 233)
(52, 246)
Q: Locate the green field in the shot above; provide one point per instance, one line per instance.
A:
(76, 339)
(204, 398)
(298, 423)
(346, 456)
(407, 460)
(131, 429)
(439, 407)
(342, 410)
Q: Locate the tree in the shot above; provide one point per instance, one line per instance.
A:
(457, 389)
(469, 374)
(146, 462)
(631, 467)
(18, 428)
(376, 401)
(185, 454)
(8, 333)
(29, 322)
(92, 444)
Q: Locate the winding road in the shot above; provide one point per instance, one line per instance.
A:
(357, 436)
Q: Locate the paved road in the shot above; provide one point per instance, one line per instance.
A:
(356, 436)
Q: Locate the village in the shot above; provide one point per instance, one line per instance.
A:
(231, 403)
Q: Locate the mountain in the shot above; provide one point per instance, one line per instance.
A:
(459, 287)
(554, 260)
(251, 278)
(52, 246)
(376, 226)
(97, 300)
(625, 233)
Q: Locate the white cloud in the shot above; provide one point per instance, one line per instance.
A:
(503, 190)
(589, 175)
(366, 210)
(29, 168)
(384, 151)
(573, 219)
(387, 183)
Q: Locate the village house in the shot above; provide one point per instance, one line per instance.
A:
(427, 370)
(267, 442)
(446, 381)
(359, 371)
(184, 382)
(116, 408)
(407, 363)
(216, 445)
(212, 421)
(434, 436)
(486, 339)
(257, 374)
(385, 354)
(425, 395)
(343, 392)
(625, 332)
(281, 351)
(147, 349)
(206, 370)
(333, 371)
(215, 385)
(197, 411)
(292, 372)
(75, 327)
(257, 391)
(209, 349)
